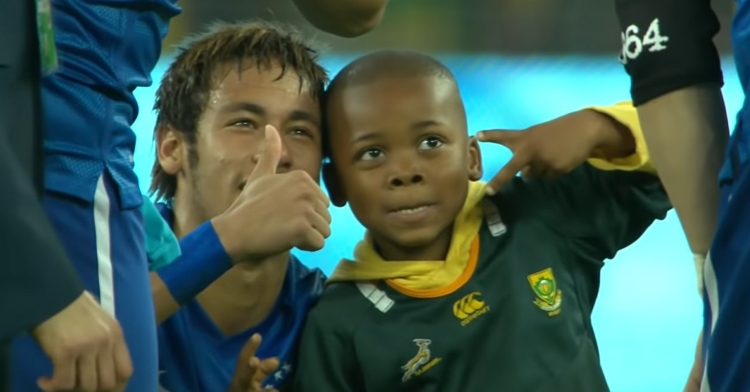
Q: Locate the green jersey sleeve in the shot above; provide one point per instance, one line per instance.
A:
(599, 211)
(326, 360)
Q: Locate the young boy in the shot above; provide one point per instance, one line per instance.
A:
(452, 290)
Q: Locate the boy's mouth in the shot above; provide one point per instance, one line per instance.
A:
(411, 210)
(411, 214)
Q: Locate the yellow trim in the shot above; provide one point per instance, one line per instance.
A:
(626, 114)
(468, 272)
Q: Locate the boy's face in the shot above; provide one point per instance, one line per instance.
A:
(231, 132)
(402, 159)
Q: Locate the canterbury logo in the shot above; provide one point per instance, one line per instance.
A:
(470, 307)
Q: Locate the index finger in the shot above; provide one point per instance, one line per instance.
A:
(507, 173)
(506, 137)
(246, 368)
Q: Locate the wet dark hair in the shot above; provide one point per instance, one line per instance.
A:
(185, 87)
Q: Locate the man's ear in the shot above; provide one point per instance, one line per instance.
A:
(171, 150)
(474, 160)
(333, 185)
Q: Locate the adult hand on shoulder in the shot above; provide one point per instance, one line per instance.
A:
(274, 212)
(86, 347)
(251, 371)
(548, 149)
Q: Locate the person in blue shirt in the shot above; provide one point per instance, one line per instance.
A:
(238, 116)
(106, 50)
(669, 53)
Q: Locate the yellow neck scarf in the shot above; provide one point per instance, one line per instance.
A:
(423, 278)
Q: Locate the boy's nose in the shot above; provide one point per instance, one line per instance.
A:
(405, 179)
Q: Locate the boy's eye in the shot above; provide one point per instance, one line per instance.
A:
(430, 143)
(370, 154)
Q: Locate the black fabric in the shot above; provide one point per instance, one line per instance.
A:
(679, 51)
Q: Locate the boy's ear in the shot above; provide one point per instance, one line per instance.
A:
(474, 160)
(170, 149)
(333, 185)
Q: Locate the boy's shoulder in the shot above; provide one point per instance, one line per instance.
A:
(585, 182)
(344, 304)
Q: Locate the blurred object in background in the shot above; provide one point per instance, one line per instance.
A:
(497, 26)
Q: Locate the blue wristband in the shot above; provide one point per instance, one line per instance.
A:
(203, 260)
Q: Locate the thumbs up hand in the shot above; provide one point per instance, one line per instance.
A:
(274, 212)
(269, 156)
(556, 147)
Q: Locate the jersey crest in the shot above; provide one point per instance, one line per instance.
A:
(421, 362)
(548, 296)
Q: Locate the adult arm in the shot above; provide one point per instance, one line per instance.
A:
(676, 87)
(345, 18)
(36, 278)
(40, 293)
(203, 259)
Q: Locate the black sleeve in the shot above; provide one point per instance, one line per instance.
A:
(36, 278)
(600, 212)
(668, 45)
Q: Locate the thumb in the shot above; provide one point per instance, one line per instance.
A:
(500, 136)
(269, 156)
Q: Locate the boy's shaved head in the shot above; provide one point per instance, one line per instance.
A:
(389, 63)
(383, 64)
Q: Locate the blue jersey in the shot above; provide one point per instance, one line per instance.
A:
(195, 356)
(106, 49)
(727, 320)
(739, 150)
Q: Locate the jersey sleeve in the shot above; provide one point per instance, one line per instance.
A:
(626, 114)
(326, 360)
(600, 212)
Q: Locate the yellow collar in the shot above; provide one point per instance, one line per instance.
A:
(423, 279)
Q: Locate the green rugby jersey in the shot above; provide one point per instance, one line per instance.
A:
(520, 322)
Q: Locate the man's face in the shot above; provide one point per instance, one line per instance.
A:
(231, 133)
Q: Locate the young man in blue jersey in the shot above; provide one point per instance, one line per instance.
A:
(668, 51)
(219, 107)
(105, 51)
